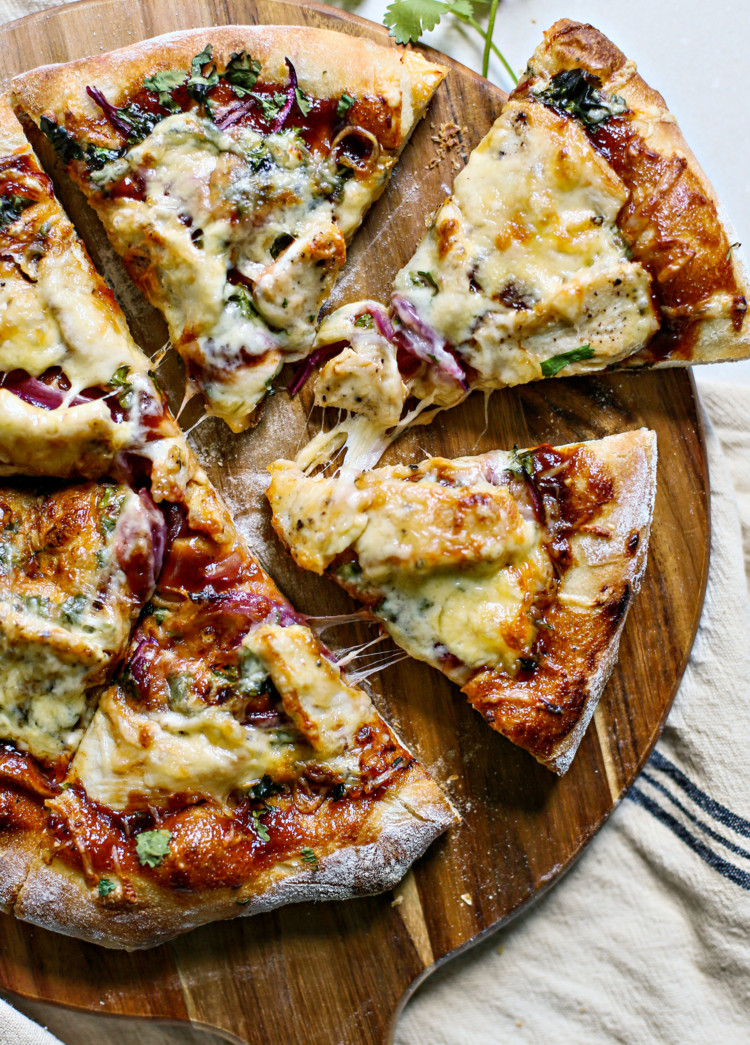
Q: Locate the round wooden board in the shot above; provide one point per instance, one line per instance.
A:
(340, 972)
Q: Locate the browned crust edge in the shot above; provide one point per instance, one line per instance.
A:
(633, 456)
(327, 64)
(568, 44)
(400, 830)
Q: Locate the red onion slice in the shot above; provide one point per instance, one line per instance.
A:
(290, 96)
(110, 111)
(426, 344)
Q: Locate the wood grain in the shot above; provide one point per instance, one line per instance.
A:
(316, 975)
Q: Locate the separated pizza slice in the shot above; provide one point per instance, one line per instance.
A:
(77, 396)
(230, 166)
(229, 769)
(77, 564)
(581, 235)
(511, 573)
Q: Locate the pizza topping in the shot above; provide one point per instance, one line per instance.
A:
(75, 567)
(11, 208)
(152, 846)
(578, 93)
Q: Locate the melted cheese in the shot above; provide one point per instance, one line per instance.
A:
(194, 747)
(449, 568)
(66, 608)
(201, 185)
(364, 378)
(527, 255)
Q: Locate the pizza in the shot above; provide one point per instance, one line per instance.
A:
(581, 235)
(510, 572)
(176, 745)
(230, 168)
(228, 766)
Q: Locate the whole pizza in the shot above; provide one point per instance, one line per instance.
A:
(177, 744)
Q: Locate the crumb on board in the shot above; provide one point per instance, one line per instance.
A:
(448, 137)
(467, 899)
(453, 777)
(397, 901)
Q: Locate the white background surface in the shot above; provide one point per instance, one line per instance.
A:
(694, 52)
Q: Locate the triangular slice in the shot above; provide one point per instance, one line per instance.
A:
(76, 394)
(230, 166)
(581, 235)
(231, 769)
(511, 573)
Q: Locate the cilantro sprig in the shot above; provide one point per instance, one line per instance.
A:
(409, 19)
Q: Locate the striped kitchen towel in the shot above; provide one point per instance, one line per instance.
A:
(647, 939)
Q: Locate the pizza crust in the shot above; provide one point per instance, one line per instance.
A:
(351, 64)
(569, 44)
(595, 596)
(398, 832)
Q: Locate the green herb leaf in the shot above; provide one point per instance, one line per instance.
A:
(73, 609)
(303, 102)
(64, 144)
(555, 364)
(309, 857)
(577, 93)
(408, 19)
(242, 72)
(365, 320)
(106, 886)
(260, 829)
(522, 464)
(282, 241)
(11, 208)
(423, 279)
(152, 846)
(164, 82)
(346, 101)
(229, 673)
(265, 788)
(271, 105)
(338, 792)
(121, 380)
(241, 297)
(199, 83)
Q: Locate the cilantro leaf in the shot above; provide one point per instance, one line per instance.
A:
(309, 857)
(242, 71)
(164, 82)
(265, 788)
(555, 364)
(199, 83)
(408, 19)
(576, 92)
(271, 105)
(11, 207)
(424, 279)
(346, 101)
(152, 846)
(303, 102)
(260, 829)
(106, 886)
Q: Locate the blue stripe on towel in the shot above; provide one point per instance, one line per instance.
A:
(734, 874)
(707, 804)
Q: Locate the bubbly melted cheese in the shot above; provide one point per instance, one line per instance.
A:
(195, 747)
(66, 607)
(450, 568)
(202, 185)
(527, 256)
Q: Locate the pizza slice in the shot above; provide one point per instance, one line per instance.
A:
(78, 398)
(581, 235)
(512, 573)
(230, 167)
(229, 768)
(77, 564)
